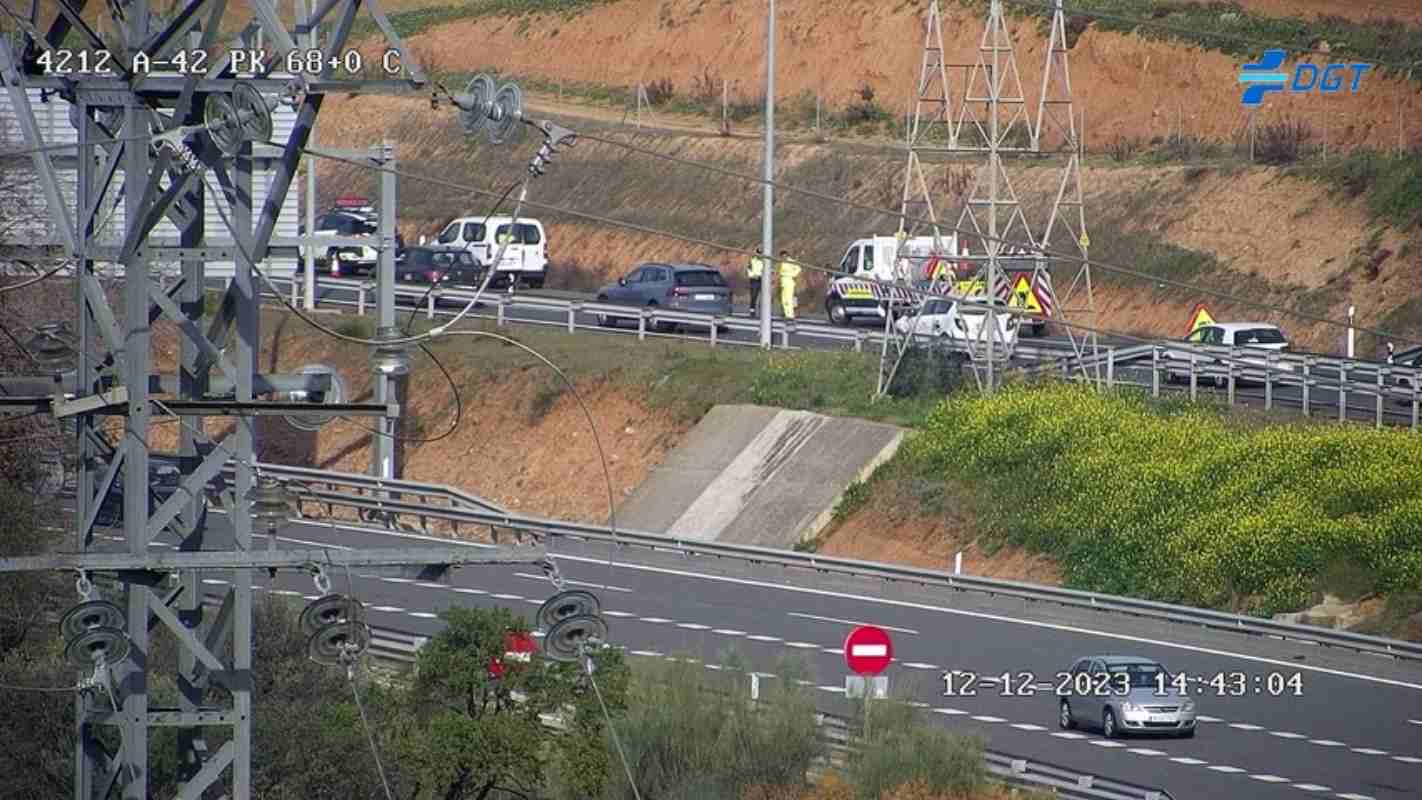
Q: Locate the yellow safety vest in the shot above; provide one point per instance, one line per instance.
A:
(789, 270)
(756, 268)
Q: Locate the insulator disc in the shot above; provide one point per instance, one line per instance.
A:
(506, 121)
(90, 615)
(481, 91)
(573, 603)
(256, 117)
(329, 610)
(220, 116)
(314, 421)
(333, 643)
(85, 650)
(564, 642)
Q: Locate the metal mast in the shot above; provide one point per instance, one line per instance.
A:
(1055, 106)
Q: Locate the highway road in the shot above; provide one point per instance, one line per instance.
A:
(1323, 399)
(1356, 731)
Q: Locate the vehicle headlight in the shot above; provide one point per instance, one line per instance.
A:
(1188, 705)
(1130, 707)
(344, 255)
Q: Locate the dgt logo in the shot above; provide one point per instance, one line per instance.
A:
(1263, 77)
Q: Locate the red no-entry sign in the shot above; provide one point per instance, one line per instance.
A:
(868, 650)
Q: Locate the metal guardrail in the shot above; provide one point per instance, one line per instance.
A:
(400, 649)
(1314, 375)
(389, 500)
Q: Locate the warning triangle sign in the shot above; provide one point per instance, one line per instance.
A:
(1023, 297)
(1199, 318)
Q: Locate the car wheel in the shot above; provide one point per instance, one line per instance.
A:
(1108, 725)
(536, 283)
(1064, 720)
(837, 314)
(605, 320)
(1187, 734)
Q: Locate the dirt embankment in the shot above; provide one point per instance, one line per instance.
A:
(1126, 85)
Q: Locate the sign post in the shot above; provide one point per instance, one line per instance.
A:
(868, 651)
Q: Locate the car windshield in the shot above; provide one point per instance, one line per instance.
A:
(700, 278)
(1260, 336)
(449, 234)
(419, 258)
(1142, 675)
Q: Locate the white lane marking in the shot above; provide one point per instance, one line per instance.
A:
(1244, 726)
(570, 581)
(1223, 768)
(1027, 726)
(819, 618)
(1312, 787)
(537, 634)
(952, 712)
(802, 645)
(507, 596)
(423, 614)
(533, 601)
(649, 653)
(1326, 743)
(1109, 743)
(1407, 759)
(1191, 762)
(869, 650)
(1006, 619)
(287, 592)
(985, 718)
(693, 626)
(1351, 796)
(1269, 778)
(713, 666)
(463, 590)
(431, 585)
(727, 631)
(1203, 718)
(919, 665)
(1069, 735)
(388, 609)
(654, 620)
(398, 580)
(311, 597)
(1145, 751)
(1415, 721)
(1287, 735)
(610, 613)
(214, 582)
(1369, 751)
(760, 637)
(839, 689)
(918, 704)
(833, 651)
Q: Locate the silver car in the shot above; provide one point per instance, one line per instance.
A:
(1124, 694)
(673, 287)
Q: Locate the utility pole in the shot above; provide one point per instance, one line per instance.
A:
(303, 12)
(386, 379)
(767, 232)
(994, 165)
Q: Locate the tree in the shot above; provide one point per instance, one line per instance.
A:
(471, 735)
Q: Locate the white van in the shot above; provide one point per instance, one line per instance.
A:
(525, 259)
(870, 265)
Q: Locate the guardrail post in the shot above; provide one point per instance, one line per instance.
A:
(1307, 381)
(1416, 396)
(1342, 392)
(1155, 372)
(1019, 766)
(785, 331)
(1229, 373)
(431, 302)
(499, 319)
(573, 309)
(1110, 367)
(642, 326)
(1194, 382)
(1269, 381)
(859, 337)
(1383, 374)
(360, 298)
(1084, 781)
(715, 323)
(295, 291)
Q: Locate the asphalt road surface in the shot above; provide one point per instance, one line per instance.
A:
(1355, 732)
(1323, 397)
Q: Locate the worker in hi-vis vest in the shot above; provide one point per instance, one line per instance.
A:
(788, 271)
(754, 271)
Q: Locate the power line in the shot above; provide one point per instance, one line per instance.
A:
(833, 272)
(454, 426)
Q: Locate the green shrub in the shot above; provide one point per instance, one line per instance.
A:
(902, 749)
(1179, 505)
(1391, 183)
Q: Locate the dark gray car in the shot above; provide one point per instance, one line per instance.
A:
(676, 287)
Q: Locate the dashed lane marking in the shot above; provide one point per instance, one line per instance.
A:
(571, 582)
(1244, 726)
(1269, 778)
(423, 615)
(651, 653)
(1027, 726)
(214, 582)
(388, 609)
(1205, 718)
(831, 651)
(952, 712)
(1369, 751)
(1145, 751)
(1287, 735)
(398, 580)
(918, 665)
(1351, 796)
(1225, 769)
(507, 596)
(728, 632)
(286, 592)
(431, 585)
(1312, 787)
(839, 689)
(1069, 735)
(1326, 743)
(1187, 761)
(802, 645)
(760, 637)
(1407, 759)
(985, 718)
(654, 620)
(819, 618)
(693, 626)
(610, 613)
(463, 590)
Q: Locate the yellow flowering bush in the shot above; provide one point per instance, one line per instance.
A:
(1177, 504)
